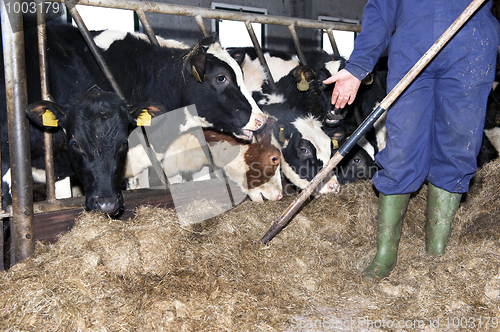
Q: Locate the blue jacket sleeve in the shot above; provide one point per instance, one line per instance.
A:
(379, 20)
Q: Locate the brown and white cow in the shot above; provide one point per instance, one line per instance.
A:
(254, 167)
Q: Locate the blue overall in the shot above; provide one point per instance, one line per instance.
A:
(435, 127)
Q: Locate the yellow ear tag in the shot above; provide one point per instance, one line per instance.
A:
(144, 119)
(335, 144)
(303, 85)
(49, 119)
(368, 80)
(281, 135)
(196, 75)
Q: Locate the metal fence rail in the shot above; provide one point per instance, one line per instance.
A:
(22, 210)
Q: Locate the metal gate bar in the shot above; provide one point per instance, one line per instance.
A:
(94, 49)
(260, 54)
(22, 231)
(147, 27)
(50, 191)
(201, 25)
(181, 10)
(296, 42)
(335, 49)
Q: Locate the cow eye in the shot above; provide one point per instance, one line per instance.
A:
(274, 159)
(304, 151)
(75, 146)
(221, 79)
(73, 143)
(357, 160)
(125, 143)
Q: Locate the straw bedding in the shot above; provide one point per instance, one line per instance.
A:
(152, 273)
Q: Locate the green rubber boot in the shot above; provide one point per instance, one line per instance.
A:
(441, 208)
(391, 212)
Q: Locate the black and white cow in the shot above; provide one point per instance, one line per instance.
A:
(69, 75)
(490, 147)
(357, 165)
(325, 65)
(369, 96)
(321, 66)
(205, 76)
(305, 148)
(296, 85)
(90, 140)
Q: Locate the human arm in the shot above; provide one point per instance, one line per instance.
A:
(379, 20)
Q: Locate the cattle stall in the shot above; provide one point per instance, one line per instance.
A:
(150, 270)
(43, 220)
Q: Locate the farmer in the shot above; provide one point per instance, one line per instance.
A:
(435, 127)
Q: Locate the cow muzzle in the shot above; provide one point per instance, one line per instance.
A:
(256, 121)
(109, 205)
(252, 125)
(335, 115)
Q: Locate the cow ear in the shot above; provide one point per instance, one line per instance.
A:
(141, 115)
(303, 76)
(198, 60)
(207, 41)
(45, 113)
(282, 132)
(238, 54)
(198, 64)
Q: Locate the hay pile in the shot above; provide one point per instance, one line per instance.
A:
(153, 274)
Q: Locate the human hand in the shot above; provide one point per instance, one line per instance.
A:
(346, 88)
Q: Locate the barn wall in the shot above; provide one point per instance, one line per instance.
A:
(185, 28)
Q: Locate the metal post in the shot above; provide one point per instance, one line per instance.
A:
(2, 258)
(22, 231)
(260, 54)
(44, 85)
(335, 49)
(94, 49)
(296, 42)
(147, 27)
(201, 25)
(182, 10)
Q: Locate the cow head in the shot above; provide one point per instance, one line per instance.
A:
(263, 178)
(255, 166)
(96, 125)
(301, 91)
(215, 84)
(356, 165)
(305, 149)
